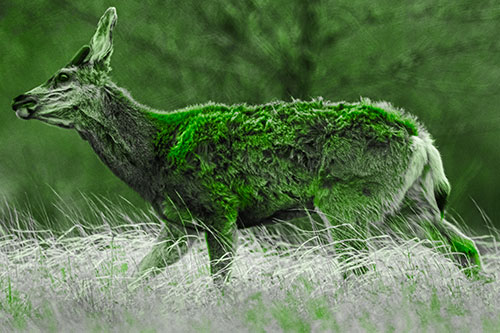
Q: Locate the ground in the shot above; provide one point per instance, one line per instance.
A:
(82, 281)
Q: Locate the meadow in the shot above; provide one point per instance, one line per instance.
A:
(66, 259)
(80, 280)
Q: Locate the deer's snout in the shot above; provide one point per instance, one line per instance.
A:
(24, 105)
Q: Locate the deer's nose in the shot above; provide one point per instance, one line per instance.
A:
(26, 101)
(24, 105)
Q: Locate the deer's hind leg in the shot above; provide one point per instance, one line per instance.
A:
(451, 241)
(463, 248)
(421, 216)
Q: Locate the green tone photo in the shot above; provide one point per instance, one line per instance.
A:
(286, 169)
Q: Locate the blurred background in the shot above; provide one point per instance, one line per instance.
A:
(438, 59)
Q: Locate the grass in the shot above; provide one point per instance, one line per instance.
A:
(79, 280)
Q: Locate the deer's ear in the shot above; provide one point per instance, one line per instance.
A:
(101, 45)
(80, 56)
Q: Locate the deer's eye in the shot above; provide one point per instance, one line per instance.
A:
(62, 77)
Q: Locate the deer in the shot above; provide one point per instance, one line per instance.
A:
(214, 168)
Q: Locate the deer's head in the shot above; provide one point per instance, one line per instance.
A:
(67, 98)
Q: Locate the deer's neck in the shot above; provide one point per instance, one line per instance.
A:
(123, 140)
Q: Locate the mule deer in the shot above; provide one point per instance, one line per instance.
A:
(214, 168)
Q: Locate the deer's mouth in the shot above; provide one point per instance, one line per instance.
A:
(25, 112)
(56, 122)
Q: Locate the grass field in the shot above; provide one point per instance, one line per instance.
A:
(80, 280)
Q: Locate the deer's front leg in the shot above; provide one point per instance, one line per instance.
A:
(172, 243)
(221, 244)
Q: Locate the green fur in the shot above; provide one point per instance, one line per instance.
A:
(182, 130)
(279, 155)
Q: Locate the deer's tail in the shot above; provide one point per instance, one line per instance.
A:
(441, 185)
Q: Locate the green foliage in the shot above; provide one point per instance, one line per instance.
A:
(14, 304)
